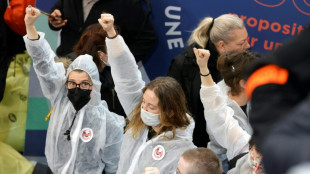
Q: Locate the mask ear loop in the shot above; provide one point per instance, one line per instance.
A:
(106, 63)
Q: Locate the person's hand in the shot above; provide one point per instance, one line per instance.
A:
(31, 15)
(151, 170)
(107, 23)
(57, 23)
(202, 58)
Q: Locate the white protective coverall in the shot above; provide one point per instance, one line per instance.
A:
(138, 153)
(224, 124)
(82, 154)
(237, 114)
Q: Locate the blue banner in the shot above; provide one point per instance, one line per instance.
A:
(269, 24)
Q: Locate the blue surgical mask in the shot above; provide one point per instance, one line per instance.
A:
(149, 119)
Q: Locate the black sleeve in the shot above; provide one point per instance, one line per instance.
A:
(58, 5)
(288, 144)
(11, 44)
(271, 102)
(269, 105)
(175, 69)
(137, 29)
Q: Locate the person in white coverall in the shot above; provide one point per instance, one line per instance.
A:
(160, 129)
(222, 108)
(83, 136)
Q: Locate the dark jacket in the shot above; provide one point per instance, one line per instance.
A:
(108, 93)
(287, 145)
(272, 103)
(10, 44)
(129, 15)
(185, 70)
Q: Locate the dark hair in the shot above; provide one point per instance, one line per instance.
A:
(91, 41)
(202, 160)
(171, 100)
(232, 67)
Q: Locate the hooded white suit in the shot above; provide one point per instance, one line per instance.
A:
(96, 134)
(138, 153)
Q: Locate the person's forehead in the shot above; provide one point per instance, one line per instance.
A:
(79, 75)
(150, 97)
(183, 166)
(240, 34)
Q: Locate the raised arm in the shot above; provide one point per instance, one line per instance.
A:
(31, 16)
(126, 75)
(202, 57)
(51, 75)
(218, 115)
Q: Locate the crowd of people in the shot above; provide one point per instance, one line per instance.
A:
(222, 108)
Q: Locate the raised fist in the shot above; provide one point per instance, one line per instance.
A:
(31, 15)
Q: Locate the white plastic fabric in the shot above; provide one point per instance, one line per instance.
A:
(227, 125)
(243, 165)
(238, 115)
(75, 156)
(128, 85)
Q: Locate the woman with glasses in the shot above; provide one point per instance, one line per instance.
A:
(159, 129)
(83, 136)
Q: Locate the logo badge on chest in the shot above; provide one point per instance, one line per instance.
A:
(86, 134)
(158, 152)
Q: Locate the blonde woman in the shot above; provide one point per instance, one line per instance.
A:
(218, 35)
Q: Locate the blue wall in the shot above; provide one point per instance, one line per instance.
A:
(270, 22)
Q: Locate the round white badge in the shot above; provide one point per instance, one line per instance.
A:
(86, 134)
(158, 152)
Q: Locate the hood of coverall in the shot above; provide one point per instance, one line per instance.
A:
(85, 63)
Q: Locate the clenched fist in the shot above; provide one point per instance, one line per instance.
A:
(107, 23)
(31, 15)
(202, 57)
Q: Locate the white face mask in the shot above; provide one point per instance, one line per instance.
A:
(149, 119)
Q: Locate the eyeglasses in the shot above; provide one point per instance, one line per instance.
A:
(83, 85)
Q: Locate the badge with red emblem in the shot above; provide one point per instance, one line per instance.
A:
(158, 152)
(86, 134)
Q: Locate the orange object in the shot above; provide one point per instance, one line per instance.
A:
(269, 74)
(15, 13)
(49, 114)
